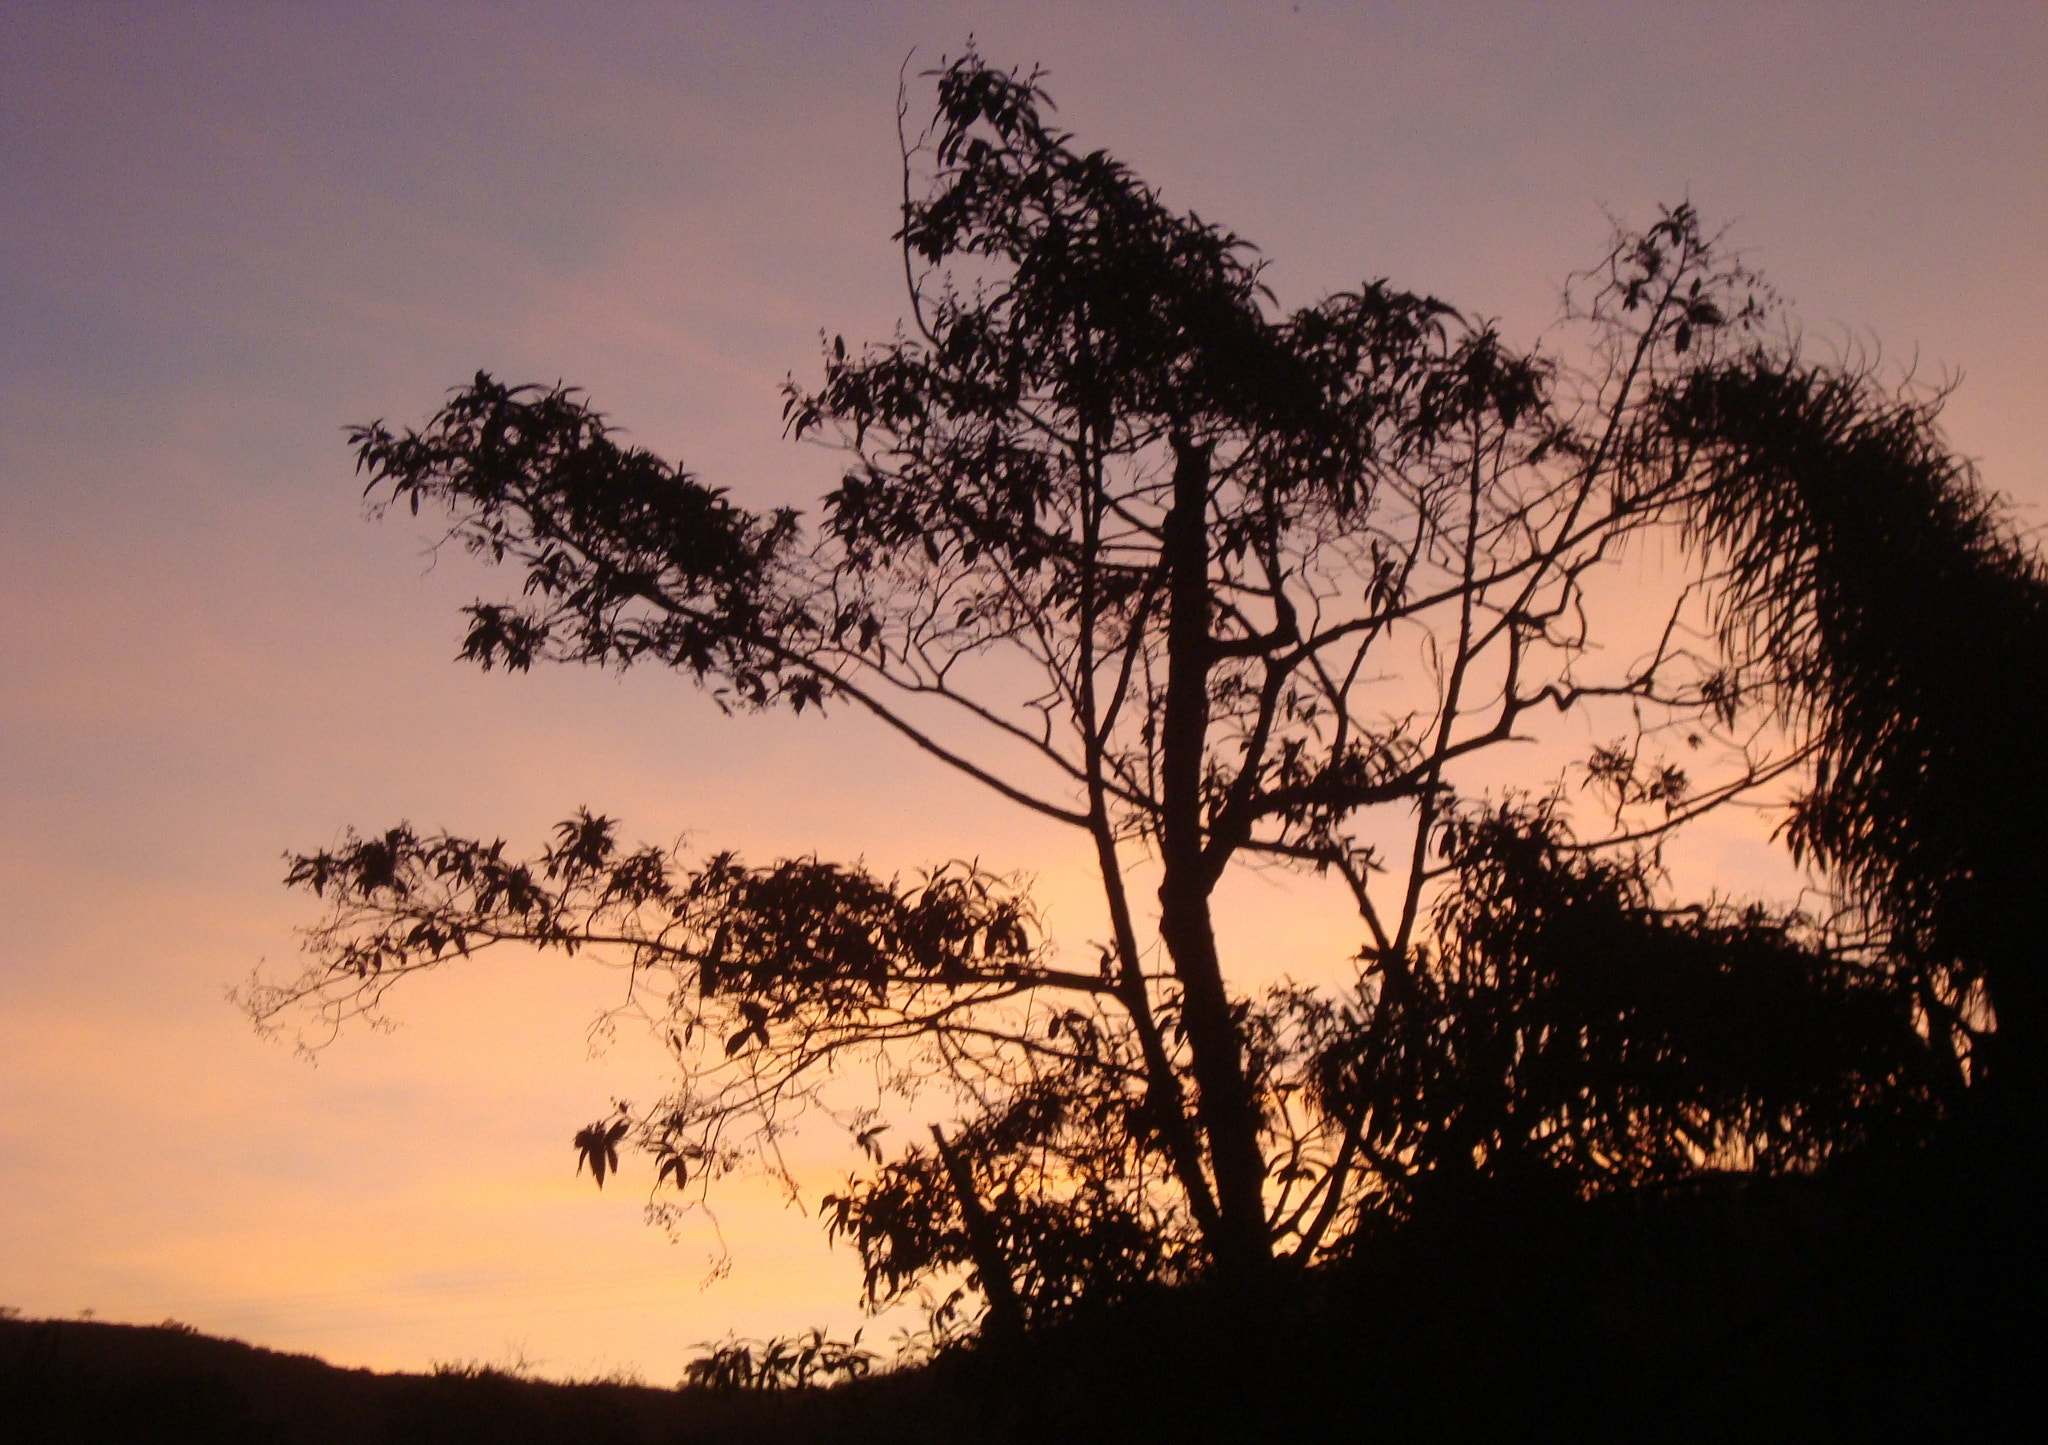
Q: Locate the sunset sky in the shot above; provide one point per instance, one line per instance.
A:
(227, 231)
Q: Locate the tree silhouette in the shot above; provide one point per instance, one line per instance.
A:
(1878, 594)
(1240, 586)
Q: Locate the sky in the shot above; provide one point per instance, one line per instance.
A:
(229, 231)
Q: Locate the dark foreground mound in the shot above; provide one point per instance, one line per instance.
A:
(1902, 1301)
(76, 1381)
(1894, 1300)
(64, 1380)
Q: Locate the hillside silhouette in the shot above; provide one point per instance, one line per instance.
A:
(1897, 1298)
(75, 1380)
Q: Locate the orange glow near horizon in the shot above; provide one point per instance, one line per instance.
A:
(226, 235)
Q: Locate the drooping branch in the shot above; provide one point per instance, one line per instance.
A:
(1880, 597)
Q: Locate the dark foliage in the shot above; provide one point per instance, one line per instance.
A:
(1566, 1033)
(1880, 595)
(1100, 1238)
(626, 557)
(788, 1362)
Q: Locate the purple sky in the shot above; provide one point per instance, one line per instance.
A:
(227, 231)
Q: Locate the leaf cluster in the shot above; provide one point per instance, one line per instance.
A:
(626, 556)
(1071, 1173)
(782, 1362)
(1564, 1030)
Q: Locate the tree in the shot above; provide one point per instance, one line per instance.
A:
(1879, 596)
(1243, 585)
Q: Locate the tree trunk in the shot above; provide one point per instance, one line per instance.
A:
(1005, 1310)
(1225, 1107)
(2016, 979)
